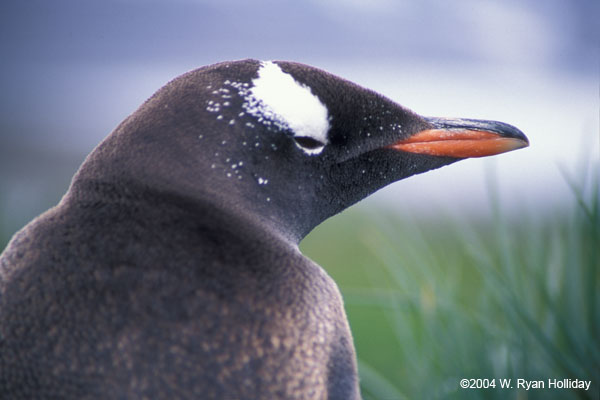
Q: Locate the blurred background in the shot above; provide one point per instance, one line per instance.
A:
(486, 268)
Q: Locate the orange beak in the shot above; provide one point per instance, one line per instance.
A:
(463, 138)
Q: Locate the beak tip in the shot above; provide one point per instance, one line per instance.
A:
(500, 128)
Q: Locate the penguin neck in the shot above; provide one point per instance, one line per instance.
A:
(218, 212)
(266, 199)
(263, 204)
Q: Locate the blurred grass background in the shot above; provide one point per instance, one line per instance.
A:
(431, 301)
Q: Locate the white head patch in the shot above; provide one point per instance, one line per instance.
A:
(276, 98)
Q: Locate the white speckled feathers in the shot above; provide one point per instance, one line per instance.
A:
(276, 97)
(277, 100)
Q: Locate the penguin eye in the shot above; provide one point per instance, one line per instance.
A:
(308, 142)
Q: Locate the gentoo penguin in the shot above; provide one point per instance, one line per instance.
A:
(170, 269)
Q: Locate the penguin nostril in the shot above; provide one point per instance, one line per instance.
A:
(308, 142)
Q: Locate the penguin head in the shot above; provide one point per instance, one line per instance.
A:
(283, 142)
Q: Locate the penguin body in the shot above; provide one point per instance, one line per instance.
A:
(170, 269)
(175, 314)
